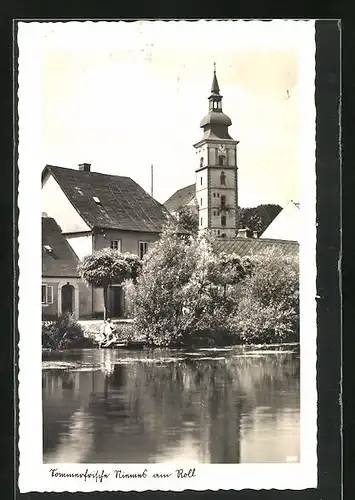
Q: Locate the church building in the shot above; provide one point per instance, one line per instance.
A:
(215, 193)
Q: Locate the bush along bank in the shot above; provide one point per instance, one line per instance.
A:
(64, 333)
(186, 294)
(124, 330)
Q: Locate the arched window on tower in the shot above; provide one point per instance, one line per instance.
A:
(223, 220)
(223, 202)
(223, 178)
(201, 162)
(221, 160)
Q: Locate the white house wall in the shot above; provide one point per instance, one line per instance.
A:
(129, 239)
(202, 197)
(56, 205)
(82, 297)
(286, 225)
(81, 244)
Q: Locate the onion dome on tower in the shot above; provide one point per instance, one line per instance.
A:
(215, 124)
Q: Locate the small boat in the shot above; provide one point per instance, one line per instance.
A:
(126, 344)
(114, 344)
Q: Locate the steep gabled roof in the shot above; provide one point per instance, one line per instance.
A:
(58, 258)
(251, 246)
(180, 198)
(110, 201)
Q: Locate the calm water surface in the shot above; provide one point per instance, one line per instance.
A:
(228, 405)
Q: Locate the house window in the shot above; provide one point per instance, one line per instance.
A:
(223, 220)
(223, 178)
(115, 245)
(223, 201)
(143, 248)
(47, 294)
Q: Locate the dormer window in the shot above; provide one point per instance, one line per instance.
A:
(96, 200)
(78, 190)
(48, 248)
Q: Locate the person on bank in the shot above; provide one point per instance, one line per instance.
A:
(108, 333)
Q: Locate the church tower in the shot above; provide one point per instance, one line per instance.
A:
(216, 170)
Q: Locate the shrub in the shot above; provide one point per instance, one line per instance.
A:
(64, 333)
(183, 290)
(268, 309)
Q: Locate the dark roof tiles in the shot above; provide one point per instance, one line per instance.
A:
(180, 198)
(123, 204)
(252, 246)
(58, 258)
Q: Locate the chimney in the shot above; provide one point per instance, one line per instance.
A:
(242, 233)
(84, 167)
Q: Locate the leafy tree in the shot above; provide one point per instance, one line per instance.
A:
(258, 218)
(182, 289)
(188, 220)
(268, 309)
(108, 267)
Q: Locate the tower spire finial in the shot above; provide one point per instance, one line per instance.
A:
(215, 86)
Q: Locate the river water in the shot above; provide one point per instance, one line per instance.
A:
(231, 405)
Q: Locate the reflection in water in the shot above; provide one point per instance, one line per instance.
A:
(164, 406)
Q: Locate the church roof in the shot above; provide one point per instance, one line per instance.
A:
(252, 246)
(58, 257)
(110, 201)
(180, 198)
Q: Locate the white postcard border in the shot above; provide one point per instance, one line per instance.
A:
(33, 474)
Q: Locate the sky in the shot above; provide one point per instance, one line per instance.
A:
(123, 96)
